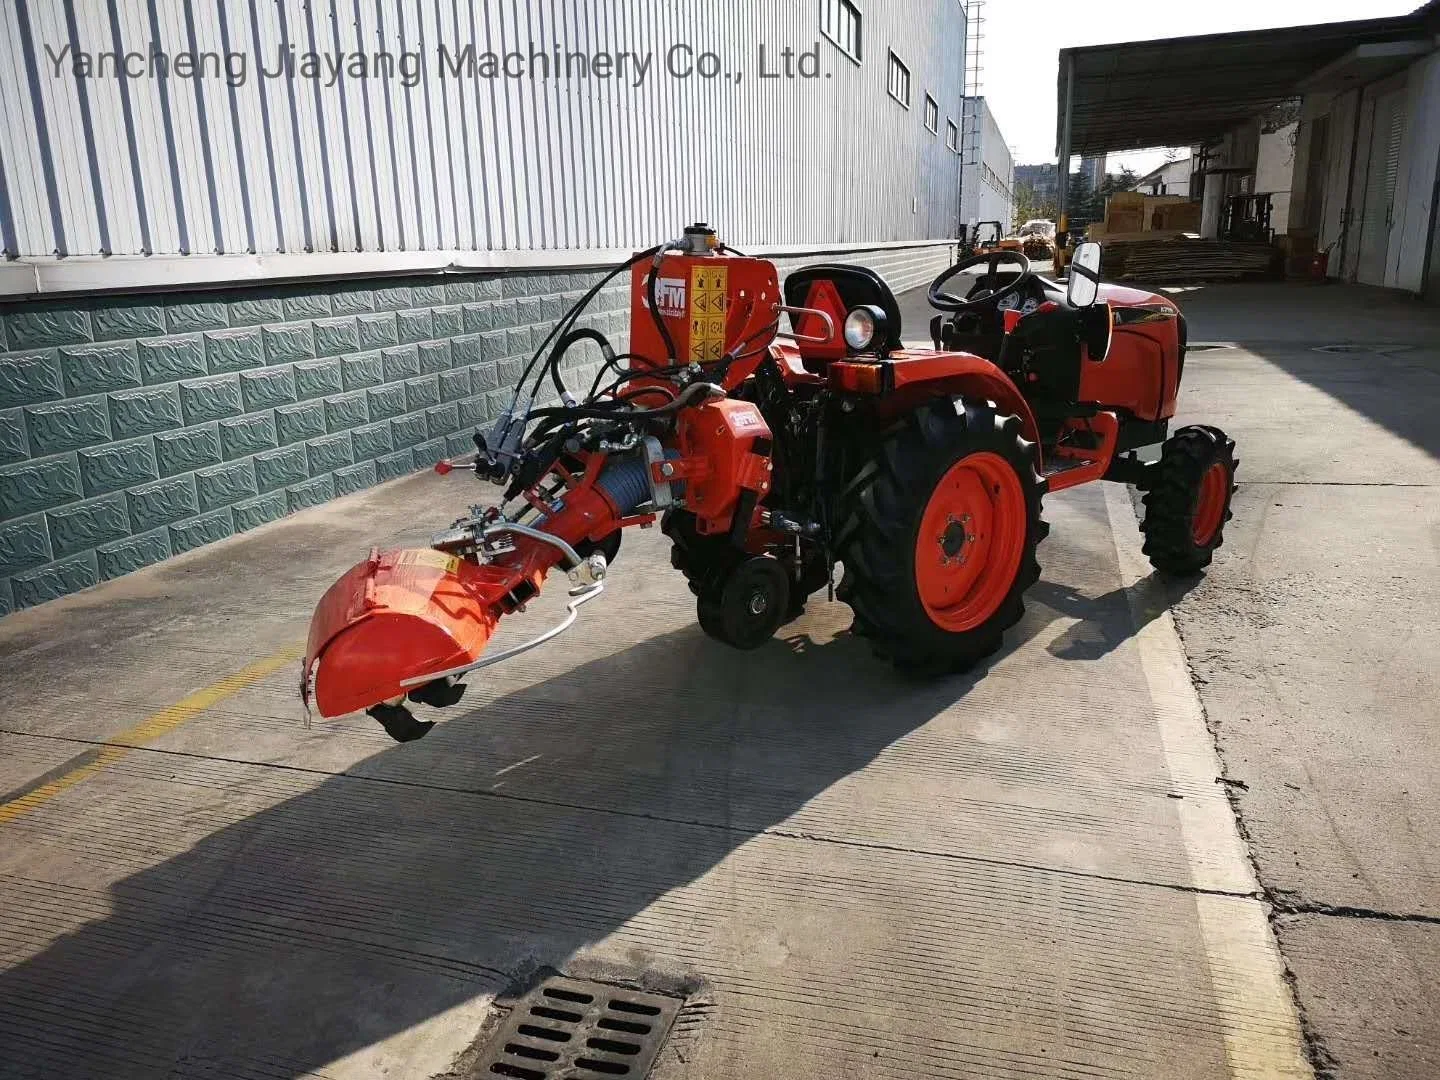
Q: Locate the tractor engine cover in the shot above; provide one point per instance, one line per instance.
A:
(396, 616)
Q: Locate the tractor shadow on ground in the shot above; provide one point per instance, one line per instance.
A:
(518, 834)
(1108, 621)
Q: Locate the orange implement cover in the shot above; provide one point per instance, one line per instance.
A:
(396, 616)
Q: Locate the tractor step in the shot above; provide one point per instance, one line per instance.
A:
(1064, 466)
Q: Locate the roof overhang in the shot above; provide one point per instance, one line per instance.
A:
(1184, 91)
(1365, 64)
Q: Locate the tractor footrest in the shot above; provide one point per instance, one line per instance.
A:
(1063, 466)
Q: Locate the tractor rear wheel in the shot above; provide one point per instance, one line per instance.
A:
(939, 535)
(1188, 502)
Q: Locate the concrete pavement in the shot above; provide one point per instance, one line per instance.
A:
(1030, 871)
(1313, 642)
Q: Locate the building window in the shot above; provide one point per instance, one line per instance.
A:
(899, 84)
(932, 114)
(952, 136)
(994, 180)
(840, 22)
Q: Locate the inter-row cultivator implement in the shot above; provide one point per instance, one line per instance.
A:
(769, 462)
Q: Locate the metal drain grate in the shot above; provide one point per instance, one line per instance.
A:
(575, 1030)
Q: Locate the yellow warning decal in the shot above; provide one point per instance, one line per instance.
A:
(709, 286)
(429, 557)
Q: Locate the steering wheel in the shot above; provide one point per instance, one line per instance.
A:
(943, 301)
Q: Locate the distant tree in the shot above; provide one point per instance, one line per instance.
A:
(1029, 204)
(1124, 180)
(1086, 204)
(1082, 203)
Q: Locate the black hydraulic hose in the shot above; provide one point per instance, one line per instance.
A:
(568, 319)
(714, 369)
(640, 373)
(613, 365)
(599, 412)
(655, 310)
(584, 333)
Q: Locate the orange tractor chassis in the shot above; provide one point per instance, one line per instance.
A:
(777, 433)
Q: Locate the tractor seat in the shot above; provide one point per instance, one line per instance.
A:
(856, 285)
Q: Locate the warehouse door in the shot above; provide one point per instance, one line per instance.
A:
(1386, 134)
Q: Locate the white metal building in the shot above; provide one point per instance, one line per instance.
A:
(987, 187)
(446, 127)
(1367, 163)
(1168, 178)
(262, 253)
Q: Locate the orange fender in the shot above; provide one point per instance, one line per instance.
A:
(918, 374)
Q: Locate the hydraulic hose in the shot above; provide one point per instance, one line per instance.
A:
(593, 412)
(584, 333)
(568, 319)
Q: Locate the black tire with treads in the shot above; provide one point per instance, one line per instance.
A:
(1171, 496)
(881, 513)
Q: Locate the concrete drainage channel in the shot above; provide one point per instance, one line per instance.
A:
(581, 1030)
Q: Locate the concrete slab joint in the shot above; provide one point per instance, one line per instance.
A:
(210, 413)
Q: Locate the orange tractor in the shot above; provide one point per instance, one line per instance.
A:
(769, 462)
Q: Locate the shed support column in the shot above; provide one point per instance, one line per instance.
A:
(1062, 254)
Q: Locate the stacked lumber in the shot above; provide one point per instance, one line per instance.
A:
(1182, 258)
(1132, 213)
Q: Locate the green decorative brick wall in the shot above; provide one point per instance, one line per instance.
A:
(136, 428)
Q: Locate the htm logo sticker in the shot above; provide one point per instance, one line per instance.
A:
(670, 295)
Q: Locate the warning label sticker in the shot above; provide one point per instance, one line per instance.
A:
(708, 288)
(436, 560)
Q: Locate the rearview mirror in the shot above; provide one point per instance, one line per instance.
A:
(1084, 286)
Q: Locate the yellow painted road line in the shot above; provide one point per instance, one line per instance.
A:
(1257, 1014)
(151, 728)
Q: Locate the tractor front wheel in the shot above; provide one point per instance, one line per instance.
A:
(1187, 503)
(939, 536)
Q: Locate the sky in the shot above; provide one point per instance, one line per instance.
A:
(1023, 39)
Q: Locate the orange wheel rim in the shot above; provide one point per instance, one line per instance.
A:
(1210, 503)
(971, 540)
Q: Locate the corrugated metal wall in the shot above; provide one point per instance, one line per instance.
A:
(165, 164)
(989, 180)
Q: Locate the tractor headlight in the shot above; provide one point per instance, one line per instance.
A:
(862, 327)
